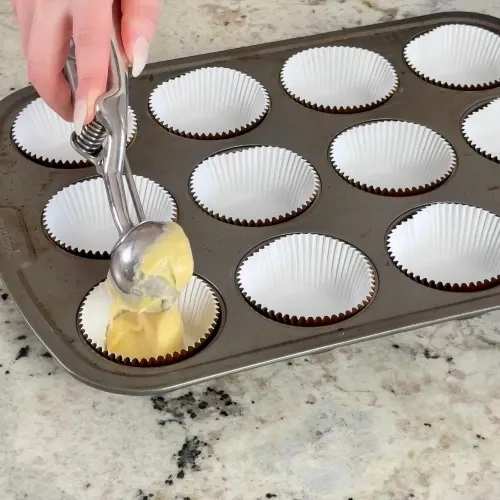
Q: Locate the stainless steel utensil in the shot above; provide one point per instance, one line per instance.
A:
(103, 143)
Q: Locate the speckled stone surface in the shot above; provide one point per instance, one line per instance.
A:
(416, 416)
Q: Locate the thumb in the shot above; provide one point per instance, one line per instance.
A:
(138, 25)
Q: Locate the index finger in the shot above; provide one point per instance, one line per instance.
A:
(92, 31)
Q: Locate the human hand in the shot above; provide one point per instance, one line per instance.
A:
(46, 28)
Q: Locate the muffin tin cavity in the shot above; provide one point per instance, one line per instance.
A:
(448, 246)
(199, 307)
(79, 220)
(481, 129)
(339, 79)
(307, 280)
(456, 56)
(255, 186)
(392, 157)
(44, 137)
(210, 103)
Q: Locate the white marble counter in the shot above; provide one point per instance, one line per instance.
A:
(415, 416)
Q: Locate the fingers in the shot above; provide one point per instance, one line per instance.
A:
(47, 51)
(92, 30)
(139, 19)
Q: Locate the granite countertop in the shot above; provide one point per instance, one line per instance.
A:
(415, 416)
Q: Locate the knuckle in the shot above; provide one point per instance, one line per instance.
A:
(87, 37)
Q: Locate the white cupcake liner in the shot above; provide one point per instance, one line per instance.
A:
(198, 305)
(456, 56)
(339, 79)
(307, 280)
(448, 246)
(44, 136)
(481, 130)
(209, 103)
(392, 157)
(78, 218)
(255, 186)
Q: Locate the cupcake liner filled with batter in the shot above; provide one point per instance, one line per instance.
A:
(209, 103)
(448, 246)
(307, 280)
(44, 136)
(198, 310)
(392, 157)
(339, 79)
(78, 217)
(255, 186)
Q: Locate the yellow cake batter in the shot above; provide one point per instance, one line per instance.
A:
(145, 326)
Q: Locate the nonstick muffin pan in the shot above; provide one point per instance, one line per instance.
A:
(349, 194)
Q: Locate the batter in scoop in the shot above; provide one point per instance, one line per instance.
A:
(149, 325)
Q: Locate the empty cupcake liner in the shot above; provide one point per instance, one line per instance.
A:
(481, 130)
(79, 220)
(255, 186)
(307, 280)
(392, 157)
(199, 308)
(339, 79)
(209, 103)
(43, 136)
(448, 246)
(456, 56)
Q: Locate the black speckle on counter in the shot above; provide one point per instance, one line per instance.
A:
(396, 346)
(169, 481)
(161, 422)
(5, 296)
(87, 486)
(290, 363)
(188, 455)
(480, 437)
(21, 337)
(449, 359)
(23, 352)
(46, 355)
(271, 495)
(7, 372)
(191, 406)
(428, 355)
(427, 425)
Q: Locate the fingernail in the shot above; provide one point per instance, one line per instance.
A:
(79, 115)
(140, 54)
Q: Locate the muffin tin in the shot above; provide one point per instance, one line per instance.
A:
(338, 222)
